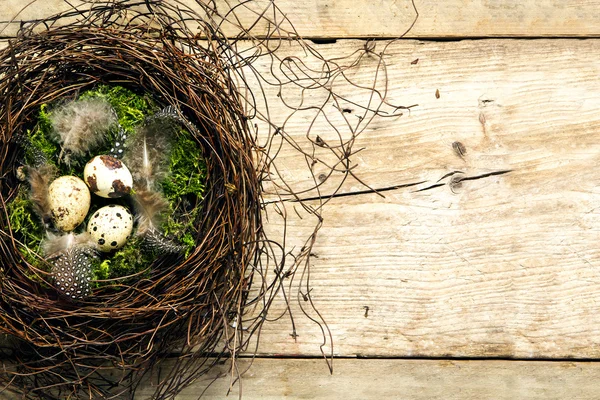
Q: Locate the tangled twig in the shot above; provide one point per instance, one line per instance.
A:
(217, 298)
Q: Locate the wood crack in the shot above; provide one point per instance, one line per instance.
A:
(347, 194)
(456, 179)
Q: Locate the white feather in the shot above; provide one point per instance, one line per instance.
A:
(55, 245)
(82, 125)
(149, 151)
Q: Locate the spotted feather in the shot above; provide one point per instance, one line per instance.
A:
(72, 273)
(71, 258)
(155, 241)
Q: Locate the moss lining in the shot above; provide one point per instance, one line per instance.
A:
(183, 187)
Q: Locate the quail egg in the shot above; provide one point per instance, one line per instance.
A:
(107, 177)
(110, 227)
(69, 201)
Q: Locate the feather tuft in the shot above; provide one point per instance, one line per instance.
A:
(54, 244)
(37, 156)
(81, 126)
(149, 208)
(118, 145)
(171, 113)
(39, 180)
(157, 242)
(72, 273)
(149, 151)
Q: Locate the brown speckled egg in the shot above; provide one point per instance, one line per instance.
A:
(107, 177)
(69, 200)
(110, 227)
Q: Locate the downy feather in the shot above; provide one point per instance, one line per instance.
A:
(148, 153)
(147, 158)
(39, 180)
(81, 126)
(55, 244)
(149, 207)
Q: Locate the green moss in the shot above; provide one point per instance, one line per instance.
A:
(101, 270)
(129, 260)
(184, 184)
(125, 262)
(24, 222)
(131, 108)
(187, 169)
(27, 229)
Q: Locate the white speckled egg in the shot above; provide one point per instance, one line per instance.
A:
(107, 177)
(69, 200)
(110, 227)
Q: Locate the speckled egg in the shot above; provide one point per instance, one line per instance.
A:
(110, 227)
(69, 200)
(107, 177)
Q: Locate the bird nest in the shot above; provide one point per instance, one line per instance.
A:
(64, 345)
(194, 304)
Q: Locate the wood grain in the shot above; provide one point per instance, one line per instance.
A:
(528, 106)
(391, 18)
(271, 379)
(502, 266)
(492, 266)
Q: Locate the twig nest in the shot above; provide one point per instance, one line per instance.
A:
(140, 319)
(110, 227)
(108, 177)
(69, 200)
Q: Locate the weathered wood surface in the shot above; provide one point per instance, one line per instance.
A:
(391, 18)
(499, 266)
(503, 265)
(271, 379)
(359, 379)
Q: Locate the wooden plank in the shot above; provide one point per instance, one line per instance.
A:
(504, 265)
(521, 105)
(388, 18)
(14, 12)
(273, 379)
(270, 379)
